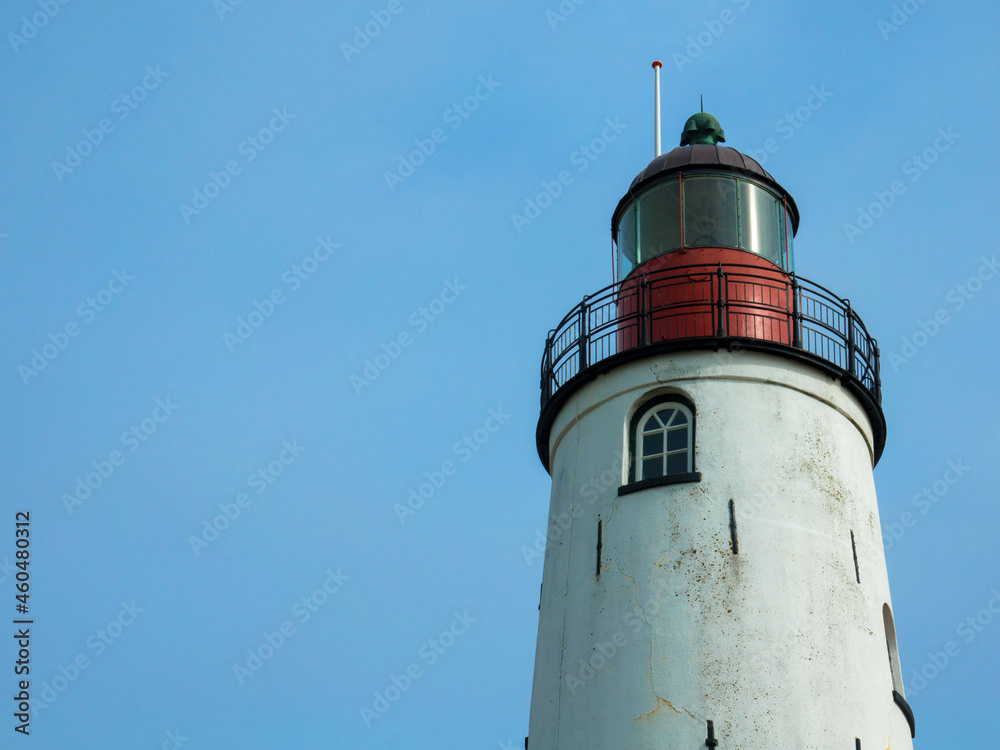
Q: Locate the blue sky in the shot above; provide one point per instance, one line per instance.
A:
(221, 163)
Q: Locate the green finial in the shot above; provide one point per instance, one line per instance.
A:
(702, 128)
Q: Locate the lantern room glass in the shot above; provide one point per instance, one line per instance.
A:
(659, 221)
(626, 243)
(715, 210)
(710, 213)
(761, 222)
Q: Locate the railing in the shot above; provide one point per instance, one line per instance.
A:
(728, 303)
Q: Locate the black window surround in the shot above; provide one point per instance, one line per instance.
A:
(645, 484)
(636, 485)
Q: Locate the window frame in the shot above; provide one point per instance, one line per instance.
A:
(633, 484)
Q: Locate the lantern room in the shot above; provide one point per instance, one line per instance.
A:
(704, 248)
(703, 195)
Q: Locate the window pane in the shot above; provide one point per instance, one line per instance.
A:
(665, 415)
(652, 444)
(652, 467)
(677, 463)
(710, 212)
(681, 418)
(626, 243)
(677, 439)
(659, 220)
(759, 217)
(652, 424)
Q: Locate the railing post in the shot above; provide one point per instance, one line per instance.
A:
(642, 310)
(720, 324)
(877, 385)
(796, 315)
(547, 371)
(582, 345)
(850, 338)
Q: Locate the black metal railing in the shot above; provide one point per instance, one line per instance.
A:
(729, 303)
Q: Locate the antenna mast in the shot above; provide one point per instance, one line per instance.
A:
(656, 127)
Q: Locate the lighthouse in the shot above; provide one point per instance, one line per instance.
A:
(715, 575)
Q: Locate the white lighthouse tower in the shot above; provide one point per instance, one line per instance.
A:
(710, 422)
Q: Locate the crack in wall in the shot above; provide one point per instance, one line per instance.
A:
(660, 701)
(555, 597)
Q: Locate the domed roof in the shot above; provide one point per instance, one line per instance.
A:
(698, 155)
(701, 157)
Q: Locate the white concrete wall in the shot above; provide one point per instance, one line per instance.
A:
(778, 645)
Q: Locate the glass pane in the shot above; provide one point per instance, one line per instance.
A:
(681, 418)
(626, 243)
(710, 212)
(677, 439)
(665, 415)
(659, 221)
(652, 444)
(677, 463)
(651, 424)
(652, 467)
(759, 217)
(781, 238)
(788, 231)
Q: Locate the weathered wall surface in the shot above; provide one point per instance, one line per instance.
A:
(779, 645)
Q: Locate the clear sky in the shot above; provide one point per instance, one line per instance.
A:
(214, 216)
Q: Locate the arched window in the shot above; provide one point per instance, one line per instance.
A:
(661, 444)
